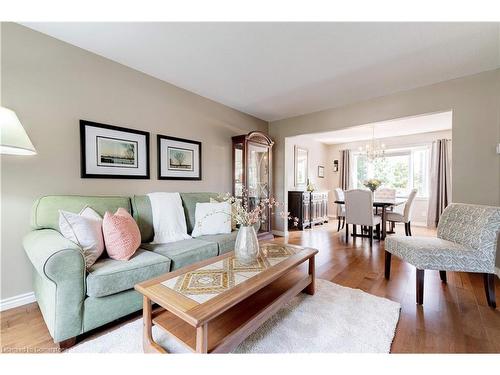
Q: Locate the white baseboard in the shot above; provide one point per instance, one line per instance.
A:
(280, 233)
(16, 301)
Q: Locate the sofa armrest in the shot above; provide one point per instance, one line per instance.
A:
(59, 281)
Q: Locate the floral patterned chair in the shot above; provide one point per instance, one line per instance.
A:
(466, 241)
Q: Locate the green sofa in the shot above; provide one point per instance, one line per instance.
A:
(74, 300)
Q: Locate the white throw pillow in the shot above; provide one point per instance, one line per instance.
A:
(212, 218)
(234, 225)
(84, 229)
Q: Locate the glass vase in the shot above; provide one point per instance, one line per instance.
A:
(246, 248)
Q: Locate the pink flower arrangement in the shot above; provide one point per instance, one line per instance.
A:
(245, 217)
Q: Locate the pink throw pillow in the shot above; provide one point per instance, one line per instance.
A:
(121, 234)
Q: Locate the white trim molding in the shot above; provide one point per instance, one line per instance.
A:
(16, 301)
(280, 233)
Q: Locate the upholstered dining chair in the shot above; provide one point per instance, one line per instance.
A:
(339, 196)
(405, 215)
(384, 193)
(359, 211)
(466, 241)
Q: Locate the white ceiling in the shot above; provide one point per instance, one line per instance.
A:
(385, 129)
(279, 70)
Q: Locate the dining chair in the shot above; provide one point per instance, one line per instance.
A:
(359, 211)
(403, 216)
(339, 196)
(466, 241)
(384, 193)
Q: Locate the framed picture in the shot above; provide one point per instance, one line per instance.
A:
(109, 151)
(300, 166)
(178, 158)
(321, 171)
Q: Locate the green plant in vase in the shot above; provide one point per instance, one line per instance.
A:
(372, 184)
(310, 186)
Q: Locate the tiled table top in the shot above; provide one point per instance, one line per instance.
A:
(209, 281)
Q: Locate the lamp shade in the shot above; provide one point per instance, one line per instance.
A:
(13, 137)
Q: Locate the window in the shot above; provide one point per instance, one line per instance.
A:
(402, 169)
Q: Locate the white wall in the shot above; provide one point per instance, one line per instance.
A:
(317, 156)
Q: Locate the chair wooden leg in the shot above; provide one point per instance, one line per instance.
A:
(338, 227)
(347, 233)
(420, 286)
(343, 222)
(489, 288)
(409, 228)
(378, 232)
(370, 234)
(387, 265)
(406, 229)
(66, 344)
(354, 230)
(442, 275)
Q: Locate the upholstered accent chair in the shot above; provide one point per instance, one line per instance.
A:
(339, 196)
(359, 211)
(405, 215)
(466, 241)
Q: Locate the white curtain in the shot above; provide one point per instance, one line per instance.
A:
(440, 176)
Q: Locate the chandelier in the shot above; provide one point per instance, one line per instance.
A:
(374, 149)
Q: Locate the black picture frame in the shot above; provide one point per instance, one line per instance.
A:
(83, 151)
(159, 138)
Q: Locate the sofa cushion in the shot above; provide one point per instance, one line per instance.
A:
(185, 252)
(108, 276)
(45, 212)
(143, 215)
(432, 253)
(189, 201)
(225, 242)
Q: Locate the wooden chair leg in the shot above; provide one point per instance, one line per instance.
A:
(409, 228)
(442, 275)
(347, 233)
(370, 234)
(489, 288)
(66, 344)
(406, 229)
(420, 286)
(387, 265)
(378, 232)
(354, 230)
(338, 227)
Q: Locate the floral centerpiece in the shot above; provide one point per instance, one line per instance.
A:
(372, 184)
(248, 219)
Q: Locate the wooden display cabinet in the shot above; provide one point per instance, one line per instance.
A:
(252, 173)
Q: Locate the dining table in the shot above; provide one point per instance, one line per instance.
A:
(384, 204)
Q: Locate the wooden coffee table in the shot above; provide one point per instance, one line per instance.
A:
(213, 305)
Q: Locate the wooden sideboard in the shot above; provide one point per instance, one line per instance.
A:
(311, 208)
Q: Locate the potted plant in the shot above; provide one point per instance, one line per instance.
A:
(372, 184)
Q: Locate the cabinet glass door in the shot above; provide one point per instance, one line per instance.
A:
(258, 179)
(238, 170)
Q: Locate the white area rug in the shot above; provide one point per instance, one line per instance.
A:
(335, 320)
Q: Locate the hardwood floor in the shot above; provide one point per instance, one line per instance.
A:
(455, 317)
